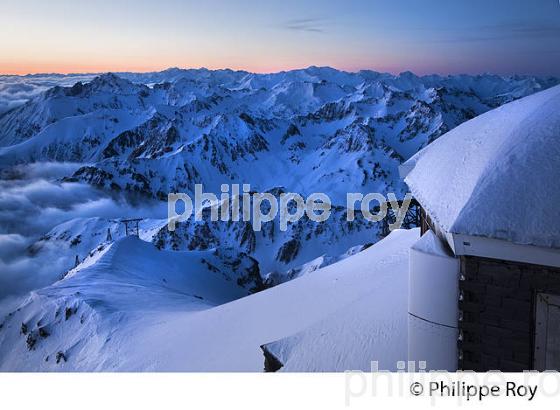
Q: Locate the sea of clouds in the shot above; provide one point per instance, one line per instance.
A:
(33, 200)
(16, 90)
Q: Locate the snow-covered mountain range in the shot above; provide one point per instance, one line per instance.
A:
(330, 129)
(137, 137)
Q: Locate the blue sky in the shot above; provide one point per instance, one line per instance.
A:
(423, 36)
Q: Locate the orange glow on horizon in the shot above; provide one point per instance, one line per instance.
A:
(58, 68)
(24, 68)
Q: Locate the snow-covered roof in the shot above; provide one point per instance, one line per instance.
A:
(497, 175)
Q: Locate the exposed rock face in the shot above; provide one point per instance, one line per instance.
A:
(215, 127)
(271, 362)
(276, 251)
(312, 130)
(288, 251)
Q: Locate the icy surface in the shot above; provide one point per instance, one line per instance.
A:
(496, 175)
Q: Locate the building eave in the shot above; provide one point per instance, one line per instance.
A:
(500, 249)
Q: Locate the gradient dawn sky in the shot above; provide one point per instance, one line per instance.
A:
(423, 36)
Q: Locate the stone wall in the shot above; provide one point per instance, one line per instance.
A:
(497, 312)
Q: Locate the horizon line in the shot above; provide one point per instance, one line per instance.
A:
(200, 68)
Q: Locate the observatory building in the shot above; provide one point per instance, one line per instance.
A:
(484, 279)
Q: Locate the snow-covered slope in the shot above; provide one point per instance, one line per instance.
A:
(331, 129)
(137, 137)
(125, 282)
(494, 171)
(138, 308)
(304, 131)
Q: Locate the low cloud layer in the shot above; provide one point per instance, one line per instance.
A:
(32, 202)
(17, 90)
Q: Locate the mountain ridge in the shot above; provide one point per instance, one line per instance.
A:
(309, 130)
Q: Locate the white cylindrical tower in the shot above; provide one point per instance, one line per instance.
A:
(433, 304)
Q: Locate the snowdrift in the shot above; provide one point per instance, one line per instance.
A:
(137, 309)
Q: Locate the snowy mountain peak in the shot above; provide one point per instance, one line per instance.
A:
(116, 143)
